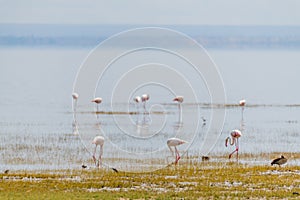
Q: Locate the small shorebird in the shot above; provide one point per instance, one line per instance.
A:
(84, 166)
(98, 140)
(174, 142)
(205, 158)
(234, 140)
(279, 161)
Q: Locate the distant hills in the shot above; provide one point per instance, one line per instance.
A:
(60, 35)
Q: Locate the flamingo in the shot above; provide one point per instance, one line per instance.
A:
(145, 97)
(174, 142)
(98, 140)
(75, 97)
(279, 161)
(234, 140)
(74, 124)
(97, 100)
(179, 99)
(242, 103)
(137, 99)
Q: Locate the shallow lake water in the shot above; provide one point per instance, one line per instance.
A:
(37, 119)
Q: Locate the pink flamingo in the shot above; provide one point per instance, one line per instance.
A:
(234, 140)
(74, 124)
(145, 97)
(97, 100)
(242, 103)
(137, 99)
(179, 99)
(174, 142)
(75, 97)
(98, 140)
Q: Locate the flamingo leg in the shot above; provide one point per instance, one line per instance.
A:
(242, 113)
(94, 158)
(179, 110)
(144, 105)
(75, 105)
(177, 156)
(236, 150)
(137, 107)
(232, 153)
(100, 157)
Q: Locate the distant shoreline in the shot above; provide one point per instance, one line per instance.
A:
(233, 37)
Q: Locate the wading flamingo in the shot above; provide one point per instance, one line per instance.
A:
(75, 97)
(74, 123)
(98, 140)
(234, 140)
(242, 103)
(179, 99)
(97, 100)
(145, 97)
(137, 100)
(174, 142)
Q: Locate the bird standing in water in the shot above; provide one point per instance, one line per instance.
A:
(137, 100)
(145, 98)
(242, 103)
(97, 100)
(74, 123)
(179, 99)
(279, 161)
(75, 97)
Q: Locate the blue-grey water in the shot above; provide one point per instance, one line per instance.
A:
(36, 112)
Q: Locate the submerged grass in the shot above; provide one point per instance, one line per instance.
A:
(200, 181)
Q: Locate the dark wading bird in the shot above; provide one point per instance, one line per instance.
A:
(279, 161)
(84, 166)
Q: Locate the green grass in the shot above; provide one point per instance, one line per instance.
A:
(202, 181)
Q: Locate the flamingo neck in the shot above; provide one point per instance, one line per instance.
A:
(231, 141)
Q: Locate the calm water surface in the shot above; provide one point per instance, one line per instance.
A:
(36, 113)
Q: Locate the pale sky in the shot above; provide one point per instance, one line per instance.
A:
(199, 12)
